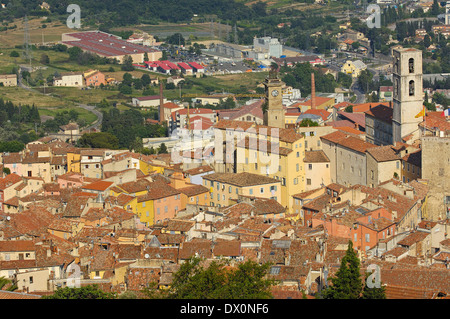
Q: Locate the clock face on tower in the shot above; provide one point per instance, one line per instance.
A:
(274, 92)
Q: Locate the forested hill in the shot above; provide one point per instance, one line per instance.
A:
(125, 12)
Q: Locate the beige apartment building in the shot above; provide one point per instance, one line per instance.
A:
(8, 79)
(226, 187)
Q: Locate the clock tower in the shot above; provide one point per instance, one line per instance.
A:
(273, 110)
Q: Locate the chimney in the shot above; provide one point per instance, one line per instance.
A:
(161, 103)
(313, 92)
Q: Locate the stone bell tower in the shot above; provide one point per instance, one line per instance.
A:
(274, 111)
(408, 90)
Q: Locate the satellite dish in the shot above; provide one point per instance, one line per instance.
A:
(147, 256)
(8, 217)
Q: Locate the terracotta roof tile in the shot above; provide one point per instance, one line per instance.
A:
(240, 179)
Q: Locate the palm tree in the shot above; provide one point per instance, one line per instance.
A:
(4, 282)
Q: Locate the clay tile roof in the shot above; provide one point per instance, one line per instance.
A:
(316, 157)
(180, 225)
(267, 206)
(200, 247)
(98, 186)
(322, 113)
(240, 179)
(334, 137)
(9, 180)
(413, 238)
(348, 141)
(199, 170)
(381, 112)
(16, 245)
(17, 295)
(363, 107)
(157, 190)
(135, 186)
(396, 252)
(193, 190)
(383, 153)
(227, 248)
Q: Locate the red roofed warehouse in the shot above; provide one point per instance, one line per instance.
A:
(110, 46)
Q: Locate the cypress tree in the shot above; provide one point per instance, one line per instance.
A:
(347, 283)
(373, 293)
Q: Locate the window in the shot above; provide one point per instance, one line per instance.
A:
(298, 154)
(310, 166)
(367, 238)
(295, 181)
(261, 190)
(297, 167)
(229, 189)
(411, 88)
(31, 279)
(411, 65)
(166, 209)
(158, 211)
(251, 191)
(143, 204)
(308, 181)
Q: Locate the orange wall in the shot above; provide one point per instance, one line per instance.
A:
(171, 203)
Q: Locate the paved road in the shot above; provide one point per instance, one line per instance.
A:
(98, 123)
(360, 96)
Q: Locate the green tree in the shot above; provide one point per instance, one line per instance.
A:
(347, 283)
(99, 140)
(44, 59)
(217, 281)
(14, 54)
(11, 146)
(373, 293)
(4, 282)
(349, 109)
(87, 292)
(435, 8)
(308, 123)
(162, 149)
(145, 78)
(74, 53)
(426, 41)
(127, 64)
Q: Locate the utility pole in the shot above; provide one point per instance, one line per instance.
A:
(27, 49)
